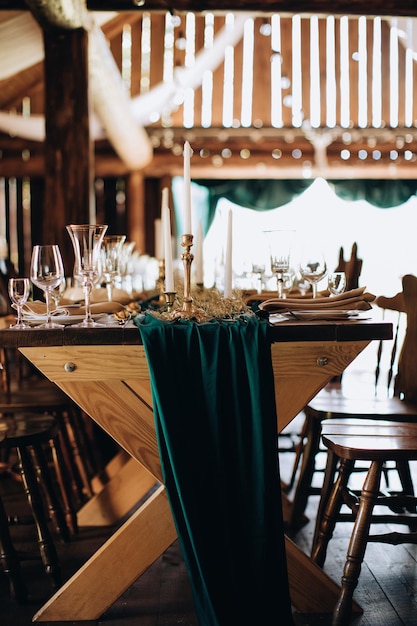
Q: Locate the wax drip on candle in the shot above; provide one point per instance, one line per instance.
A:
(187, 189)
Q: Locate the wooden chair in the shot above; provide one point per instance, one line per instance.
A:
(400, 403)
(31, 442)
(25, 393)
(376, 443)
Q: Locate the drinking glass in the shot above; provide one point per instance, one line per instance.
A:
(280, 243)
(336, 282)
(258, 270)
(111, 260)
(46, 272)
(287, 282)
(87, 240)
(58, 292)
(19, 290)
(313, 268)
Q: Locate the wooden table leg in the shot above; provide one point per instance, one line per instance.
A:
(131, 483)
(115, 566)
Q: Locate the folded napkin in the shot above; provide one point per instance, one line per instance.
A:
(76, 294)
(250, 295)
(355, 299)
(38, 308)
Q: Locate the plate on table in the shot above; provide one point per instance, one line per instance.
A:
(329, 314)
(66, 320)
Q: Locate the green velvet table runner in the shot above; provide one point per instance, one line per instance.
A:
(214, 407)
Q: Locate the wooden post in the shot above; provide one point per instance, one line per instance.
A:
(136, 227)
(69, 154)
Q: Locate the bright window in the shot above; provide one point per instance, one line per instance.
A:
(385, 237)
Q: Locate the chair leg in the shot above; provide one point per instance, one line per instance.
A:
(81, 482)
(54, 505)
(357, 544)
(331, 512)
(299, 450)
(10, 560)
(46, 545)
(64, 483)
(303, 488)
(328, 482)
(404, 473)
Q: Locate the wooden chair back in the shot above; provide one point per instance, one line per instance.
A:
(406, 378)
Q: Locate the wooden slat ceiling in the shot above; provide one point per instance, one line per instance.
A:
(260, 149)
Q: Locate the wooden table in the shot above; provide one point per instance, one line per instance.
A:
(106, 373)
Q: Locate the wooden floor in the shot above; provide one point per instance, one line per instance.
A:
(387, 588)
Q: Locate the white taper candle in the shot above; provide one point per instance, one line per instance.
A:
(169, 274)
(187, 190)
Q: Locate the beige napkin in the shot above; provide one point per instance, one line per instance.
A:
(39, 308)
(76, 294)
(355, 299)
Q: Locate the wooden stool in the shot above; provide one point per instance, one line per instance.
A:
(347, 444)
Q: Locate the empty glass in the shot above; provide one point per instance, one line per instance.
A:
(19, 290)
(280, 243)
(46, 272)
(111, 260)
(87, 240)
(313, 267)
(336, 282)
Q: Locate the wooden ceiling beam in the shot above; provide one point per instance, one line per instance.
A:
(400, 8)
(335, 7)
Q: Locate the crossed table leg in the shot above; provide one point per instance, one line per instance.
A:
(111, 384)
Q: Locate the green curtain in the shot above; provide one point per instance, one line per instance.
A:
(264, 195)
(214, 408)
(383, 194)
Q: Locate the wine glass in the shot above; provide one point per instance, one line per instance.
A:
(313, 268)
(19, 290)
(336, 283)
(58, 292)
(258, 270)
(287, 282)
(46, 272)
(111, 260)
(280, 242)
(87, 240)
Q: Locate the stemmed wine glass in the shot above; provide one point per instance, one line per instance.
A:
(313, 268)
(19, 290)
(258, 270)
(280, 242)
(87, 240)
(46, 272)
(336, 282)
(111, 260)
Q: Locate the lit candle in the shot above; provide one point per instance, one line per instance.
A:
(228, 272)
(187, 189)
(199, 272)
(169, 274)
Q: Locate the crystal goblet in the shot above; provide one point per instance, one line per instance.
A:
(19, 290)
(87, 240)
(46, 272)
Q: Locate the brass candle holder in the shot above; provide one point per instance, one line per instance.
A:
(170, 299)
(188, 310)
(160, 283)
